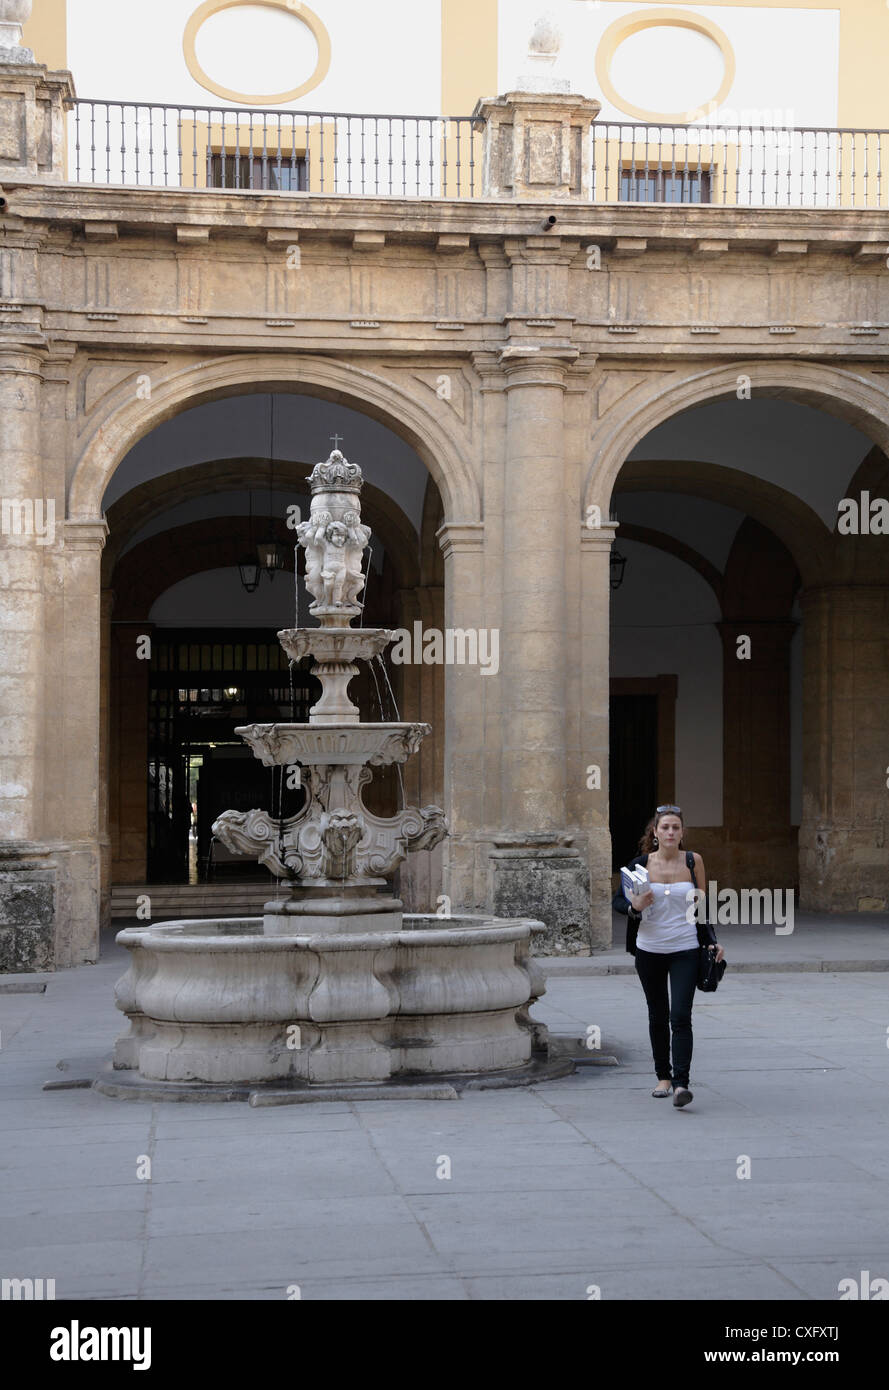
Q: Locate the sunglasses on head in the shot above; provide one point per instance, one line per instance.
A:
(661, 810)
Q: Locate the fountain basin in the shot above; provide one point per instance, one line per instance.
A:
(334, 644)
(223, 1002)
(340, 745)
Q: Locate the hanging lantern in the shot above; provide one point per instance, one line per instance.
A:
(249, 570)
(272, 556)
(617, 564)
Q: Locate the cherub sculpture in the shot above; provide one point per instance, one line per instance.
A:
(334, 574)
(358, 537)
(311, 535)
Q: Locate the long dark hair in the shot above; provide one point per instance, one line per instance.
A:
(647, 844)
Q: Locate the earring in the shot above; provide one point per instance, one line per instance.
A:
(655, 842)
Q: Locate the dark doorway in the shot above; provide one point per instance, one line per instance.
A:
(202, 686)
(633, 778)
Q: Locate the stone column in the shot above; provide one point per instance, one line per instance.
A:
(844, 856)
(589, 688)
(536, 867)
(107, 606)
(25, 534)
(27, 530)
(469, 764)
(533, 656)
(72, 791)
(35, 881)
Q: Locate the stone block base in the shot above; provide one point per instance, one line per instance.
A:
(49, 904)
(843, 868)
(27, 909)
(547, 879)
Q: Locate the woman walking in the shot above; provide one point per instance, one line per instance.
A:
(665, 940)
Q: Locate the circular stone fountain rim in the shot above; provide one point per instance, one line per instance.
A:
(172, 936)
(392, 725)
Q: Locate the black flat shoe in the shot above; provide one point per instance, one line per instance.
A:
(662, 1093)
(682, 1096)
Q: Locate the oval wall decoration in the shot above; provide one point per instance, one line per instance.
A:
(296, 10)
(631, 24)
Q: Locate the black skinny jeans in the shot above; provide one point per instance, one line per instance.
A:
(682, 969)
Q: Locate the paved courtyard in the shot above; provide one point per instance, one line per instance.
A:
(519, 1194)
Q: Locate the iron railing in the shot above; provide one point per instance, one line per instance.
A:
(740, 165)
(146, 143)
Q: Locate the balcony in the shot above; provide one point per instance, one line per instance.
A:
(139, 144)
(333, 153)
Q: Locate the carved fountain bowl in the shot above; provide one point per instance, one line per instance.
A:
(225, 1002)
(335, 644)
(313, 745)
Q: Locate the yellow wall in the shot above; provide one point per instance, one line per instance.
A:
(46, 32)
(468, 54)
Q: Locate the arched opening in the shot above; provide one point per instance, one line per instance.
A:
(727, 514)
(189, 502)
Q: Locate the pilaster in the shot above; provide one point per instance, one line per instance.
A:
(844, 860)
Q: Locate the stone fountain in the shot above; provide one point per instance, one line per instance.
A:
(333, 987)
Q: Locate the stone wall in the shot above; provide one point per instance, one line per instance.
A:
(561, 350)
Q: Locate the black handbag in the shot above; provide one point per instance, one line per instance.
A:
(710, 970)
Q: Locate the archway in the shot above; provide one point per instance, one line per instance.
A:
(128, 417)
(777, 581)
(158, 524)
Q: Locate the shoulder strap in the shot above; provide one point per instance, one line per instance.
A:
(690, 865)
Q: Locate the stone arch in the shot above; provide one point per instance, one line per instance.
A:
(382, 398)
(851, 396)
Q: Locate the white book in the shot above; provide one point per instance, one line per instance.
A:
(633, 880)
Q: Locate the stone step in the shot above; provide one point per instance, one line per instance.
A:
(192, 899)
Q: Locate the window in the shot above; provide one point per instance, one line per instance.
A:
(277, 173)
(665, 186)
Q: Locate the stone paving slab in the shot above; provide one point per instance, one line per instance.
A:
(576, 1182)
